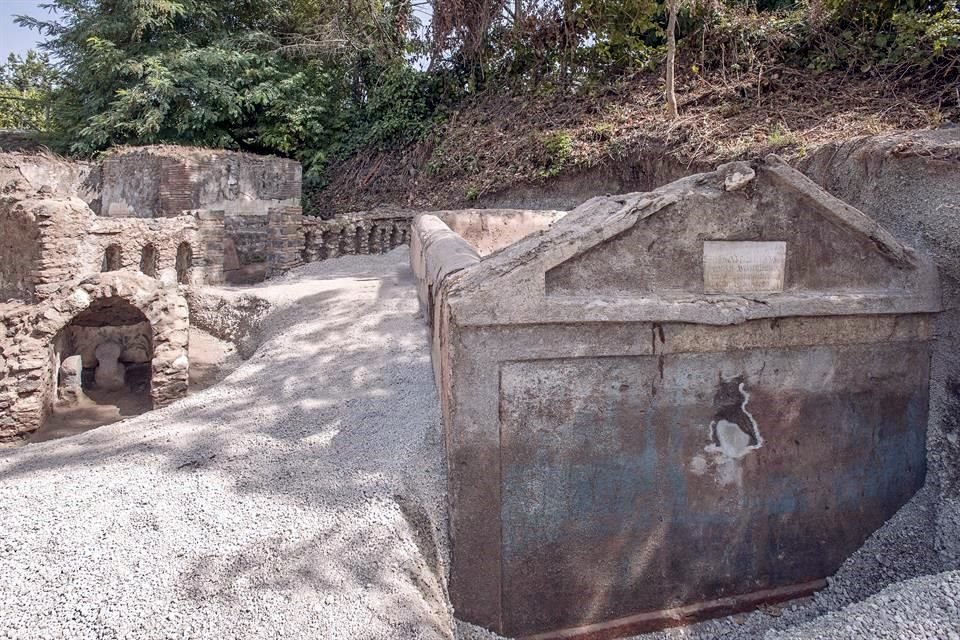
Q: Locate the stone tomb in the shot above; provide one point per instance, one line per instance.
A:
(676, 404)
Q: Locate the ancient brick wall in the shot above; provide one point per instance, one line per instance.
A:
(175, 188)
(249, 191)
(285, 240)
(19, 252)
(67, 243)
(165, 181)
(162, 236)
(32, 343)
(211, 239)
(59, 250)
(249, 237)
(42, 172)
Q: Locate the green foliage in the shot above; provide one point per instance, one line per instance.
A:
(402, 105)
(25, 87)
(557, 151)
(161, 70)
(619, 35)
(320, 79)
(872, 36)
(925, 39)
(228, 73)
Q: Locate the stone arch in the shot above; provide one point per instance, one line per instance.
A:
(112, 258)
(121, 298)
(107, 349)
(184, 262)
(149, 260)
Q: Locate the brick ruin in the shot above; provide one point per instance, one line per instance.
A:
(157, 221)
(250, 204)
(96, 261)
(145, 318)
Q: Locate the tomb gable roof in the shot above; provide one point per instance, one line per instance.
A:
(747, 241)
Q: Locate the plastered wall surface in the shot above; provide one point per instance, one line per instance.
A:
(606, 410)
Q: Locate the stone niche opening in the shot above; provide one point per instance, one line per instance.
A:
(246, 248)
(149, 260)
(102, 368)
(184, 262)
(112, 259)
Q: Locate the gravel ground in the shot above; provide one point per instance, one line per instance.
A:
(302, 497)
(299, 498)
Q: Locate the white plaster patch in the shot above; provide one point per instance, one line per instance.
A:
(168, 277)
(737, 180)
(182, 363)
(732, 444)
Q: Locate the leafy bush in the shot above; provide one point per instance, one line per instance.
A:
(557, 150)
(25, 87)
(402, 105)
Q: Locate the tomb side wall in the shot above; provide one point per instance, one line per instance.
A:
(165, 181)
(909, 184)
(527, 408)
(489, 230)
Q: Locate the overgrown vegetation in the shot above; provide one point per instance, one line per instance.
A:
(26, 84)
(321, 80)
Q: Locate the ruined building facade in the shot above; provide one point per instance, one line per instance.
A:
(96, 261)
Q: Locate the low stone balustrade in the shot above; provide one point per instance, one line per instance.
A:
(364, 233)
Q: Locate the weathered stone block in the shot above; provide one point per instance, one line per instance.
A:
(650, 417)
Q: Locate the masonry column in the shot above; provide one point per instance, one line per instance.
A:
(285, 240)
(212, 233)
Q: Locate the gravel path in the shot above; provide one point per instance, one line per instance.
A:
(302, 497)
(299, 498)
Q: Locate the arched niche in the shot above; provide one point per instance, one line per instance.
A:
(149, 260)
(154, 318)
(112, 259)
(184, 262)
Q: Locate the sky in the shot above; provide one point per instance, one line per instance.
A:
(15, 39)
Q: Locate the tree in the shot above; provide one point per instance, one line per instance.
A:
(25, 87)
(292, 77)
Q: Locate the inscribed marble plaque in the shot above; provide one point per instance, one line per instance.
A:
(743, 266)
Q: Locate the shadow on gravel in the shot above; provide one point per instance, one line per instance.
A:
(335, 415)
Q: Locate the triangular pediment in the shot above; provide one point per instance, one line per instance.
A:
(746, 233)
